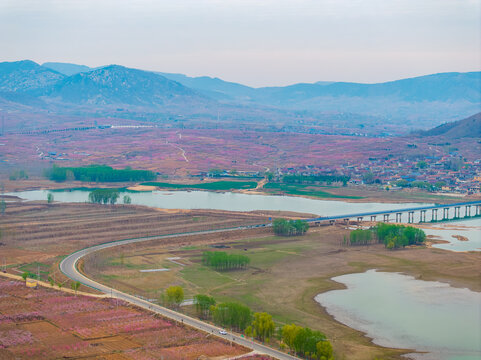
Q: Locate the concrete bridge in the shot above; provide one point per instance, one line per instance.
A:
(438, 212)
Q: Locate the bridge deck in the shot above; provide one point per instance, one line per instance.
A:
(438, 206)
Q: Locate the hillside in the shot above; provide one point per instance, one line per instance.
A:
(26, 75)
(466, 128)
(397, 106)
(121, 86)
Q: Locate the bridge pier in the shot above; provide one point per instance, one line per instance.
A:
(467, 211)
(457, 212)
(385, 217)
(410, 217)
(346, 221)
(398, 217)
(332, 222)
(373, 218)
(422, 217)
(445, 213)
(478, 209)
(359, 218)
(434, 215)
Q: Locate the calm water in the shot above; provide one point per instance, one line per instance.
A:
(399, 311)
(471, 229)
(225, 201)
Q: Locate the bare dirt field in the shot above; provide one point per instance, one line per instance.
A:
(37, 235)
(284, 276)
(47, 324)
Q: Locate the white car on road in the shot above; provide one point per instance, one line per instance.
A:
(222, 332)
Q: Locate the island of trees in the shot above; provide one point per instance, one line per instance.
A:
(98, 173)
(104, 196)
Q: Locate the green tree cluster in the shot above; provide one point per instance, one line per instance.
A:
(360, 237)
(98, 173)
(174, 295)
(304, 341)
(262, 327)
(220, 260)
(396, 236)
(104, 196)
(203, 305)
(285, 227)
(233, 315)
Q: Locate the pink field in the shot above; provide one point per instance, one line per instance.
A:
(46, 324)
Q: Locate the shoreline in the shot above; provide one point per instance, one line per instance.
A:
(375, 340)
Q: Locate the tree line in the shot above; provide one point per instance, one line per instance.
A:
(396, 236)
(312, 179)
(393, 236)
(260, 325)
(104, 196)
(285, 227)
(220, 260)
(98, 173)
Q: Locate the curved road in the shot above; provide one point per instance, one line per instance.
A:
(69, 267)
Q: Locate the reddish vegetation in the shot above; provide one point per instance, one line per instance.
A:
(48, 324)
(164, 149)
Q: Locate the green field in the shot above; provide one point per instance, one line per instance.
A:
(216, 185)
(304, 190)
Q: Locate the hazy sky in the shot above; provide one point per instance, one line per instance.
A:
(263, 42)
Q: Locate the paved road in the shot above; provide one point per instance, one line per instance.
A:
(69, 267)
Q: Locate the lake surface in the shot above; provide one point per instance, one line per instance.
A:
(471, 229)
(225, 201)
(399, 311)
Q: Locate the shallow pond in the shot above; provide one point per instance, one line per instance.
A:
(399, 311)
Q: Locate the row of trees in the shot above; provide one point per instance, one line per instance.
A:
(220, 260)
(421, 185)
(312, 179)
(285, 227)
(232, 315)
(104, 196)
(396, 236)
(360, 237)
(98, 173)
(391, 235)
(304, 341)
(18, 175)
(259, 325)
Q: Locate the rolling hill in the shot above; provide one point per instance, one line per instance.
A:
(24, 76)
(465, 128)
(121, 86)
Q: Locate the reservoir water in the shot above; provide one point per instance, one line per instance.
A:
(225, 201)
(246, 202)
(399, 311)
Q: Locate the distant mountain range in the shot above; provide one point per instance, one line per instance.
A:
(420, 102)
